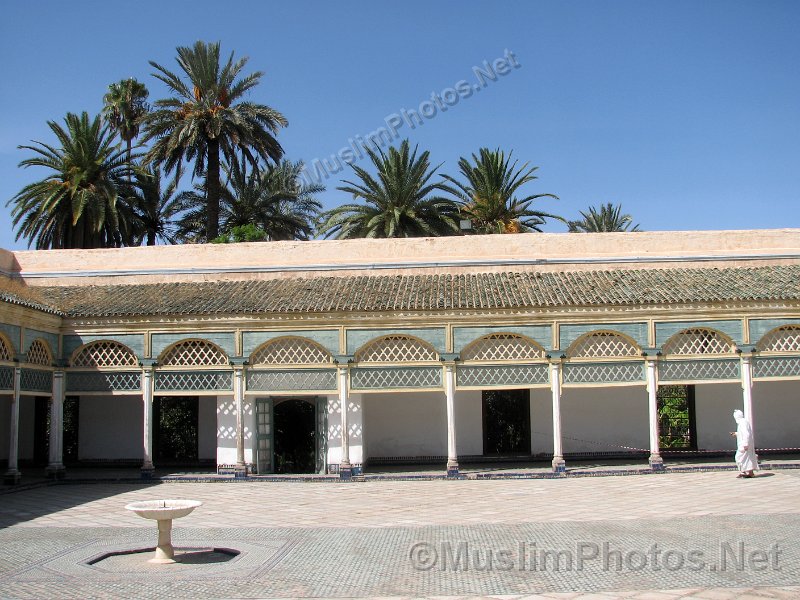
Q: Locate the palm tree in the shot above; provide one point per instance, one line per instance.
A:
(488, 194)
(287, 207)
(399, 200)
(203, 120)
(153, 208)
(607, 218)
(124, 106)
(75, 205)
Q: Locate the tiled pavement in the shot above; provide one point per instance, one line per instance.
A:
(358, 539)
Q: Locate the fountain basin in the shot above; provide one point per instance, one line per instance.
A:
(163, 511)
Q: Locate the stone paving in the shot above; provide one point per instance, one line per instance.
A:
(676, 535)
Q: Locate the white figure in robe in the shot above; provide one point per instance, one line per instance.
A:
(745, 448)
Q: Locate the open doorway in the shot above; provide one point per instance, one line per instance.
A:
(506, 423)
(175, 424)
(295, 436)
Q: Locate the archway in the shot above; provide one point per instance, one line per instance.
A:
(295, 436)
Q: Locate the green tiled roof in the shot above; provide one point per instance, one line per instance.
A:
(14, 292)
(376, 293)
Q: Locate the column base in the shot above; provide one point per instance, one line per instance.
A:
(55, 471)
(148, 472)
(559, 465)
(12, 477)
(240, 472)
(452, 468)
(656, 462)
(345, 471)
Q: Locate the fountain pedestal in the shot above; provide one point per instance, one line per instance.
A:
(163, 511)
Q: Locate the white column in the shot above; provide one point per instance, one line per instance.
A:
(559, 465)
(240, 470)
(747, 389)
(147, 434)
(13, 474)
(345, 469)
(55, 468)
(656, 461)
(450, 393)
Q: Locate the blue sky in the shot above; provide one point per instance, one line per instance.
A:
(687, 113)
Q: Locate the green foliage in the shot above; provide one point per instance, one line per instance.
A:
(153, 208)
(206, 117)
(399, 200)
(607, 218)
(124, 106)
(75, 204)
(242, 233)
(488, 194)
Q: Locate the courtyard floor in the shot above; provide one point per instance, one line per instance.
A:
(673, 535)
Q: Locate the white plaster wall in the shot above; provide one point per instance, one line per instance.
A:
(405, 424)
(603, 419)
(355, 423)
(110, 427)
(207, 427)
(776, 414)
(226, 430)
(714, 404)
(469, 422)
(541, 421)
(5, 424)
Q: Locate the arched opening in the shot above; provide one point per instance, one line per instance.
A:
(295, 436)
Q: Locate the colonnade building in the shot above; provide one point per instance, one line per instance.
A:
(343, 356)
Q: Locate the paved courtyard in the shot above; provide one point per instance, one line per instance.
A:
(676, 535)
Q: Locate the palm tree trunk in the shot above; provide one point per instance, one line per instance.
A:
(151, 237)
(213, 191)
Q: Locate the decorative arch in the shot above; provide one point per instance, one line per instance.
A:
(502, 346)
(39, 353)
(396, 348)
(698, 341)
(103, 353)
(785, 338)
(6, 348)
(603, 344)
(193, 353)
(290, 350)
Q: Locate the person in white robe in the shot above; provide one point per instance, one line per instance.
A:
(745, 448)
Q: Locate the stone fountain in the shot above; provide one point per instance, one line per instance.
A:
(163, 511)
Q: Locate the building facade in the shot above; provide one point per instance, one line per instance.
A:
(331, 356)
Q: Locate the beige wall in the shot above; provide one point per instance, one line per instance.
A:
(111, 427)
(776, 414)
(5, 418)
(198, 262)
(604, 419)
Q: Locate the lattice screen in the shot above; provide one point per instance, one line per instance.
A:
(33, 380)
(773, 366)
(499, 375)
(290, 351)
(606, 344)
(411, 377)
(782, 339)
(120, 381)
(502, 346)
(300, 379)
(621, 372)
(698, 341)
(104, 353)
(193, 353)
(5, 349)
(6, 378)
(194, 381)
(39, 353)
(695, 370)
(396, 348)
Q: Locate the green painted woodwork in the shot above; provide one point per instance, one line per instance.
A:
(12, 333)
(29, 335)
(161, 341)
(568, 333)
(327, 338)
(760, 327)
(464, 336)
(134, 341)
(435, 336)
(732, 328)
